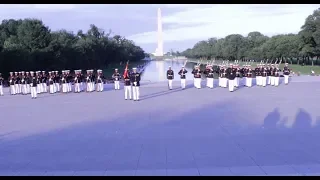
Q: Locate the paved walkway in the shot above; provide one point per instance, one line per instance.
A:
(252, 131)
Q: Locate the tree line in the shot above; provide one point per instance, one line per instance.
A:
(302, 48)
(29, 45)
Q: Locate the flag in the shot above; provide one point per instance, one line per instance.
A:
(125, 73)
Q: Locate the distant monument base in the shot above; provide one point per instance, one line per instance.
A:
(158, 58)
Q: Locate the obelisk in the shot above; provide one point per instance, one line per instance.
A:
(160, 38)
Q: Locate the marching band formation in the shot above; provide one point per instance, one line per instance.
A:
(231, 74)
(39, 82)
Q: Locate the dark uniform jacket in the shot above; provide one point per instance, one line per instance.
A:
(29, 79)
(24, 80)
(1, 81)
(271, 71)
(182, 73)
(127, 80)
(116, 76)
(209, 73)
(43, 79)
(238, 73)
(34, 81)
(38, 79)
(68, 78)
(286, 71)
(56, 78)
(63, 79)
(222, 73)
(264, 72)
(88, 78)
(231, 73)
(17, 80)
(77, 79)
(196, 73)
(257, 71)
(135, 78)
(51, 80)
(93, 77)
(276, 72)
(11, 80)
(99, 79)
(268, 69)
(249, 73)
(170, 75)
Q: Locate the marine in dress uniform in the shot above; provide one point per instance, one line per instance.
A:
(127, 85)
(37, 76)
(93, 79)
(264, 75)
(1, 85)
(170, 77)
(88, 82)
(64, 82)
(116, 78)
(209, 73)
(56, 80)
(34, 85)
(182, 74)
(16, 83)
(28, 79)
(12, 82)
(276, 75)
(197, 77)
(135, 80)
(286, 72)
(231, 75)
(257, 74)
(238, 76)
(68, 79)
(268, 69)
(99, 81)
(244, 72)
(249, 75)
(51, 83)
(82, 80)
(44, 82)
(272, 75)
(24, 84)
(77, 81)
(223, 81)
(20, 82)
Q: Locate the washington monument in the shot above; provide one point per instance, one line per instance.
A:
(159, 50)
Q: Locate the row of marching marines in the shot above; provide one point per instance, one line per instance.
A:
(65, 82)
(231, 75)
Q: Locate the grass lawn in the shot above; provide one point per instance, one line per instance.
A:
(296, 68)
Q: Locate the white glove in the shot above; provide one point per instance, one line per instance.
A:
(135, 83)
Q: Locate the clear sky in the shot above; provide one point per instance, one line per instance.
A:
(183, 24)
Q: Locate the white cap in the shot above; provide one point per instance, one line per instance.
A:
(134, 68)
(116, 69)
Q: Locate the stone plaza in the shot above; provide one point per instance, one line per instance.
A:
(191, 132)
